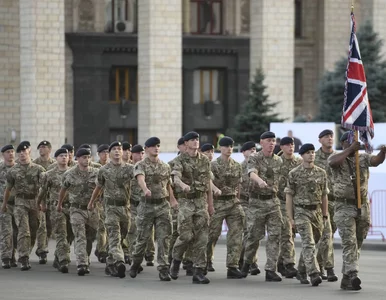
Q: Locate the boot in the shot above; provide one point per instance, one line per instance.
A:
(134, 270)
(241, 262)
(149, 261)
(199, 277)
(254, 269)
(302, 277)
(331, 277)
(315, 279)
(355, 281)
(189, 269)
(25, 266)
(110, 270)
(245, 269)
(210, 267)
(13, 262)
(6, 263)
(102, 257)
(87, 269)
(175, 269)
(55, 263)
(81, 269)
(121, 269)
(164, 275)
(140, 269)
(42, 258)
(281, 268)
(184, 263)
(290, 271)
(234, 273)
(272, 276)
(345, 283)
(63, 267)
(322, 274)
(127, 260)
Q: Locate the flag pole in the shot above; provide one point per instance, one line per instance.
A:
(358, 176)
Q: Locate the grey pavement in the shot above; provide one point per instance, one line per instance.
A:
(44, 282)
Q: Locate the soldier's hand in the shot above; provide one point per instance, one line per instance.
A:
(217, 192)
(292, 222)
(383, 149)
(148, 193)
(90, 206)
(262, 184)
(174, 203)
(211, 210)
(59, 208)
(355, 146)
(4, 208)
(185, 188)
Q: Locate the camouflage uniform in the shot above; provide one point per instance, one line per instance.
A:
(307, 187)
(84, 223)
(154, 211)
(227, 177)
(61, 220)
(45, 225)
(264, 208)
(8, 228)
(352, 228)
(25, 180)
(287, 248)
(193, 217)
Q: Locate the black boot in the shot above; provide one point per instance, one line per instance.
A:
(331, 277)
(164, 275)
(6, 264)
(199, 277)
(210, 267)
(302, 277)
(355, 281)
(63, 267)
(102, 257)
(281, 268)
(42, 258)
(272, 276)
(322, 274)
(13, 262)
(290, 271)
(149, 261)
(234, 273)
(189, 269)
(55, 263)
(81, 270)
(127, 260)
(175, 269)
(121, 269)
(245, 269)
(254, 269)
(110, 270)
(25, 266)
(134, 270)
(315, 279)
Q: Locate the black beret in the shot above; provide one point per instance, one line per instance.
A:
(137, 149)
(306, 147)
(7, 147)
(286, 140)
(180, 141)
(85, 146)
(247, 146)
(191, 135)
(60, 151)
(114, 144)
(226, 141)
(69, 147)
(153, 141)
(83, 151)
(44, 143)
(23, 145)
(345, 136)
(267, 135)
(207, 147)
(325, 132)
(126, 146)
(102, 148)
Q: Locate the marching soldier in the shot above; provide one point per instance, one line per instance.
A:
(71, 163)
(103, 154)
(126, 152)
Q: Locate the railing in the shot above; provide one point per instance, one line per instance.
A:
(378, 212)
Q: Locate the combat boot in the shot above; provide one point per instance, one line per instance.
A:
(13, 262)
(331, 277)
(175, 269)
(127, 260)
(149, 261)
(110, 270)
(81, 270)
(6, 264)
(189, 269)
(315, 279)
(254, 269)
(134, 270)
(25, 266)
(302, 277)
(121, 269)
(63, 267)
(272, 276)
(210, 267)
(281, 269)
(322, 274)
(55, 263)
(164, 275)
(199, 277)
(355, 281)
(102, 257)
(290, 271)
(234, 273)
(42, 258)
(245, 269)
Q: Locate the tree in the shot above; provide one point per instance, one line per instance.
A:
(331, 88)
(256, 114)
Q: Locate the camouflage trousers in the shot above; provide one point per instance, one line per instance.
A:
(101, 238)
(353, 230)
(193, 225)
(42, 235)
(287, 245)
(8, 233)
(157, 215)
(84, 225)
(247, 225)
(325, 254)
(262, 219)
(63, 233)
(232, 212)
(309, 224)
(175, 233)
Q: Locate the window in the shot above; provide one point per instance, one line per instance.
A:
(298, 87)
(121, 16)
(123, 84)
(298, 19)
(206, 16)
(208, 86)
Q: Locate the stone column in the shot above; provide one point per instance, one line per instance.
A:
(160, 71)
(272, 49)
(42, 75)
(379, 22)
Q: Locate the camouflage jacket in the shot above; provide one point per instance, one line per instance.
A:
(176, 188)
(307, 186)
(43, 163)
(321, 160)
(71, 164)
(245, 181)
(227, 176)
(157, 176)
(3, 183)
(51, 184)
(286, 167)
(80, 184)
(268, 169)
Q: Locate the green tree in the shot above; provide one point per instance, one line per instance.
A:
(256, 114)
(331, 89)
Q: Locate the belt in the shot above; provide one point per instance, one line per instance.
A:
(262, 197)
(134, 203)
(309, 207)
(153, 201)
(80, 206)
(116, 202)
(190, 195)
(331, 198)
(347, 201)
(226, 197)
(244, 197)
(26, 196)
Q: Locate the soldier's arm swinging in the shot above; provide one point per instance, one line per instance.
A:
(215, 189)
(289, 208)
(379, 158)
(62, 195)
(209, 200)
(172, 200)
(95, 194)
(143, 186)
(325, 205)
(7, 193)
(257, 179)
(177, 180)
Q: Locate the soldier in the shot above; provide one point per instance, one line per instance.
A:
(79, 182)
(227, 177)
(126, 152)
(286, 263)
(306, 193)
(352, 227)
(91, 163)
(264, 171)
(25, 178)
(114, 180)
(208, 150)
(153, 177)
(191, 172)
(325, 253)
(103, 153)
(70, 148)
(45, 227)
(61, 220)
(247, 149)
(8, 228)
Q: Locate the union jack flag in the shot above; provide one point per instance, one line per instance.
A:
(356, 108)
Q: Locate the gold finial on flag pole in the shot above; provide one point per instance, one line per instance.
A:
(352, 6)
